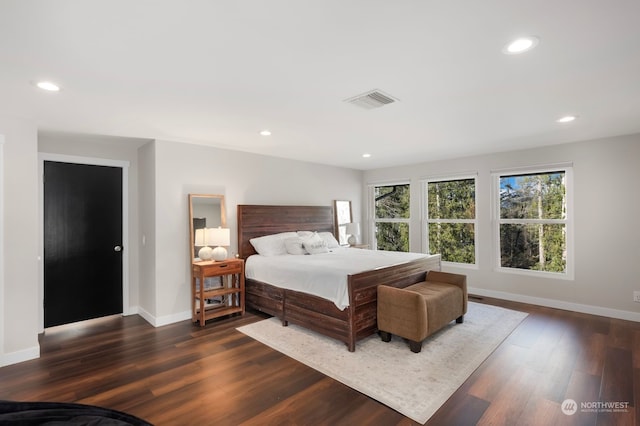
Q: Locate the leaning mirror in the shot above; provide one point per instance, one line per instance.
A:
(343, 215)
(205, 211)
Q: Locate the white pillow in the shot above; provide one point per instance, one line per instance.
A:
(329, 239)
(294, 245)
(315, 244)
(326, 236)
(271, 245)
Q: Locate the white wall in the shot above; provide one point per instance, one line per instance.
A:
(607, 236)
(243, 178)
(147, 226)
(20, 241)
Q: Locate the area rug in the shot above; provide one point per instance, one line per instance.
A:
(415, 385)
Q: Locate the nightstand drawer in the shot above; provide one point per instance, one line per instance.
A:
(218, 268)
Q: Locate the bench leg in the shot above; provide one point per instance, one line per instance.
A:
(385, 336)
(460, 319)
(415, 347)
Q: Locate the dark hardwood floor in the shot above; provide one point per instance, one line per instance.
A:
(182, 374)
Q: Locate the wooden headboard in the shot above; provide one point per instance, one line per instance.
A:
(257, 221)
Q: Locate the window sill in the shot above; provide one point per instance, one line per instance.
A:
(538, 274)
(460, 265)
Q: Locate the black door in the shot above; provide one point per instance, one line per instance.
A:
(82, 242)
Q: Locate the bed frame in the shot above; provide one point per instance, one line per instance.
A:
(355, 322)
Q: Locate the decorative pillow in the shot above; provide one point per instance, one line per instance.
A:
(294, 245)
(329, 239)
(315, 244)
(305, 234)
(272, 245)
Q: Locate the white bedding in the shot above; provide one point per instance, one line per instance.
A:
(323, 275)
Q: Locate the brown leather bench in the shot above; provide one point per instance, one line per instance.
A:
(421, 309)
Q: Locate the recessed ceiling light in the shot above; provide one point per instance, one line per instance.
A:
(265, 133)
(521, 45)
(48, 86)
(566, 119)
(366, 155)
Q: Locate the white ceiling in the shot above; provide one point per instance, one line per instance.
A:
(218, 72)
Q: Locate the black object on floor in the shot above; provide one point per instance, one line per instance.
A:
(62, 413)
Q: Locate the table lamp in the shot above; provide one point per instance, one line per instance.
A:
(219, 237)
(205, 252)
(353, 230)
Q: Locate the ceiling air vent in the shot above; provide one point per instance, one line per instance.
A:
(372, 99)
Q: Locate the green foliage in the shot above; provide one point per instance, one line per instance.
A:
(534, 246)
(454, 241)
(540, 196)
(520, 247)
(392, 236)
(392, 202)
(452, 199)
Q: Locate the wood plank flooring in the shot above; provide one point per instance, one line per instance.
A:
(183, 374)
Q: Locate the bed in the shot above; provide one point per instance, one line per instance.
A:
(355, 321)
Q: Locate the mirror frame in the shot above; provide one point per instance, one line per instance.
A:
(340, 217)
(223, 218)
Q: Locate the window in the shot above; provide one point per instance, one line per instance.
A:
(391, 217)
(451, 219)
(533, 223)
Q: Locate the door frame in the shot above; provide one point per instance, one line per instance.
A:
(91, 161)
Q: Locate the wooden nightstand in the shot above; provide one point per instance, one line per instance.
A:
(222, 292)
(360, 246)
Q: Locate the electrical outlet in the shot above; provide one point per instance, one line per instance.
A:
(636, 296)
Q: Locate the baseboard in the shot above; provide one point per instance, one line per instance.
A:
(558, 304)
(131, 310)
(20, 356)
(165, 320)
(147, 316)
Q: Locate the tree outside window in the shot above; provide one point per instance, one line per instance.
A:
(532, 225)
(391, 217)
(451, 219)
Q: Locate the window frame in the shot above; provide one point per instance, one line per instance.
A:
(372, 212)
(426, 221)
(567, 168)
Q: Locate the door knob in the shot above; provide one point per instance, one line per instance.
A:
(117, 248)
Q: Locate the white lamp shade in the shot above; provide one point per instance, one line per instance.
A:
(199, 238)
(353, 228)
(218, 236)
(205, 251)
